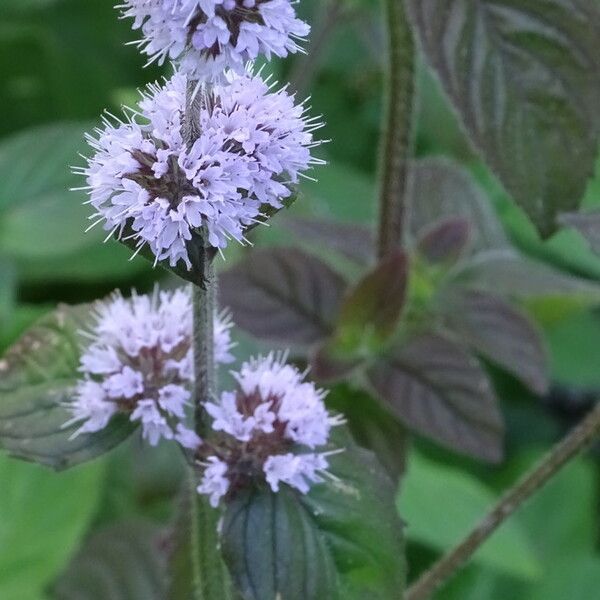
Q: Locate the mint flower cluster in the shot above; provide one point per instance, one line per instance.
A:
(210, 152)
(209, 36)
(147, 184)
(272, 412)
(138, 361)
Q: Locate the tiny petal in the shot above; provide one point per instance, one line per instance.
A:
(154, 425)
(173, 399)
(214, 481)
(187, 438)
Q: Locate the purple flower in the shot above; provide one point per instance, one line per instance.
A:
(138, 361)
(265, 428)
(146, 184)
(208, 36)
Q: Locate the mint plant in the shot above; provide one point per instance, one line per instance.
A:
(292, 468)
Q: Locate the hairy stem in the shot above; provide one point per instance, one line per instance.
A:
(204, 356)
(204, 291)
(397, 128)
(580, 438)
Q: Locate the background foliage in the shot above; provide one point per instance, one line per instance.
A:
(61, 63)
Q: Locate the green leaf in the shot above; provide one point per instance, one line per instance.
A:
(436, 387)
(274, 550)
(552, 525)
(371, 427)
(342, 540)
(43, 517)
(371, 310)
(38, 375)
(8, 293)
(39, 217)
(441, 505)
(42, 223)
(572, 577)
(574, 350)
(122, 562)
(283, 295)
(196, 568)
(499, 332)
(524, 78)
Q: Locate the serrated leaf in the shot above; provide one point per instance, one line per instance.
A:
(37, 377)
(436, 387)
(352, 240)
(445, 241)
(122, 562)
(440, 190)
(507, 273)
(274, 550)
(371, 310)
(499, 332)
(525, 79)
(196, 569)
(588, 224)
(343, 540)
(283, 295)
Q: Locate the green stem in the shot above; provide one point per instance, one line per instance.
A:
(204, 298)
(580, 438)
(397, 128)
(204, 292)
(209, 576)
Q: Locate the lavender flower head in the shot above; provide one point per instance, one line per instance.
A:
(208, 36)
(139, 362)
(270, 428)
(147, 185)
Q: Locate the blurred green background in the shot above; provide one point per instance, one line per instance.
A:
(62, 62)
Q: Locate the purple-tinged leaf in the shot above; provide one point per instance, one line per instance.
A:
(588, 224)
(508, 273)
(445, 241)
(500, 333)
(353, 241)
(371, 311)
(436, 387)
(440, 189)
(328, 366)
(283, 295)
(524, 77)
